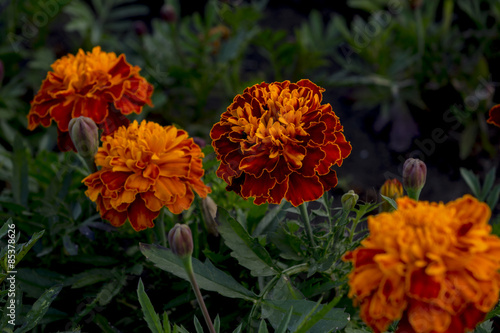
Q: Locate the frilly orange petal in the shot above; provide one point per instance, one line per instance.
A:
(283, 129)
(135, 181)
(439, 260)
(93, 84)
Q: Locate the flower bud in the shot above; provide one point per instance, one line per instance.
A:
(349, 200)
(168, 13)
(414, 175)
(393, 189)
(209, 210)
(84, 134)
(181, 240)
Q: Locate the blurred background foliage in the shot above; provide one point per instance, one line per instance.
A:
(405, 68)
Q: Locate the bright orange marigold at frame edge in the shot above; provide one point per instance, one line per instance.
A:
(145, 167)
(96, 84)
(435, 266)
(278, 141)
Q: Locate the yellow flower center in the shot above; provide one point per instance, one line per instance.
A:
(85, 68)
(280, 121)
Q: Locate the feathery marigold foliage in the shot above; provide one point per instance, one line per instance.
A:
(278, 141)
(98, 85)
(145, 167)
(434, 266)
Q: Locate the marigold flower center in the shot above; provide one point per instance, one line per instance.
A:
(85, 70)
(280, 121)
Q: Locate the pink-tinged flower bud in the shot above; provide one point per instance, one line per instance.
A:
(414, 176)
(181, 240)
(393, 189)
(168, 13)
(84, 134)
(349, 200)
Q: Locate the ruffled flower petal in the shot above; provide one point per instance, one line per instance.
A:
(273, 135)
(430, 265)
(145, 167)
(95, 84)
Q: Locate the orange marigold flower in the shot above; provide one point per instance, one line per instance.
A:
(96, 84)
(435, 266)
(145, 167)
(278, 141)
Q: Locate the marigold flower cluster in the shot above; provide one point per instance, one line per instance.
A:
(97, 85)
(145, 167)
(278, 141)
(434, 266)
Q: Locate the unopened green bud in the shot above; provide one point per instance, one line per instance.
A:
(84, 134)
(414, 176)
(209, 210)
(180, 239)
(349, 200)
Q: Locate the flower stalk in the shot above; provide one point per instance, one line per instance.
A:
(180, 239)
(307, 223)
(188, 266)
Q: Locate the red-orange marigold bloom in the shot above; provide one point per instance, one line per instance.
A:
(494, 114)
(96, 84)
(145, 167)
(435, 266)
(278, 141)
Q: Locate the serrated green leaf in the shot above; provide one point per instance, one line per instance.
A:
(5, 228)
(166, 323)
(282, 328)
(110, 290)
(488, 184)
(104, 324)
(484, 327)
(263, 327)
(314, 316)
(239, 328)
(150, 315)
(247, 250)
(472, 180)
(89, 277)
(493, 313)
(197, 325)
(274, 311)
(493, 197)
(207, 275)
(122, 13)
(277, 213)
(217, 324)
(391, 201)
(39, 309)
(25, 247)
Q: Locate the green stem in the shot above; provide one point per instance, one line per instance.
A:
(307, 223)
(161, 228)
(447, 16)
(188, 266)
